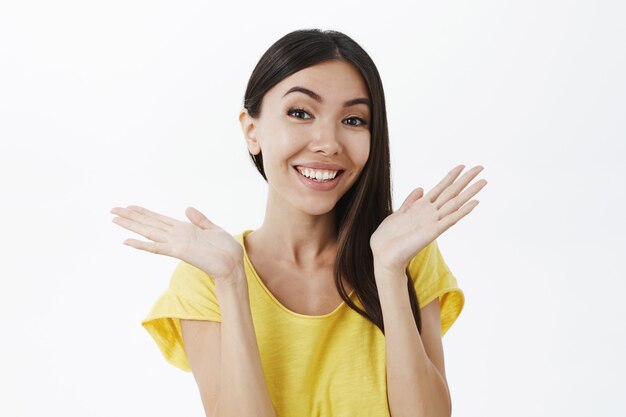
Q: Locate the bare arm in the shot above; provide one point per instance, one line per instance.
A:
(416, 379)
(224, 357)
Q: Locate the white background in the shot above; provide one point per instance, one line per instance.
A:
(106, 104)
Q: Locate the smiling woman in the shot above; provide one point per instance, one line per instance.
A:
(317, 134)
(335, 305)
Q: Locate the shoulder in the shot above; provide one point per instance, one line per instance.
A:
(433, 280)
(428, 265)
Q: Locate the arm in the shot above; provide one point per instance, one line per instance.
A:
(416, 381)
(225, 358)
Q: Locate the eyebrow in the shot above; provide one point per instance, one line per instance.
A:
(316, 97)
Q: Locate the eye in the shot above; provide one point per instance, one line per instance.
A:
(297, 110)
(361, 121)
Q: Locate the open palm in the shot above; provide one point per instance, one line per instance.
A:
(422, 218)
(200, 243)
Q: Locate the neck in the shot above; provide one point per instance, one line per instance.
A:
(298, 238)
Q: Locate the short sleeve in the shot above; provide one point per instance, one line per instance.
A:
(433, 279)
(191, 295)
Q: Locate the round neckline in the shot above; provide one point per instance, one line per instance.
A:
(242, 241)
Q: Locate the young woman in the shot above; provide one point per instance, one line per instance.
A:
(336, 305)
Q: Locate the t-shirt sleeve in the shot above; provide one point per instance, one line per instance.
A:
(190, 295)
(433, 279)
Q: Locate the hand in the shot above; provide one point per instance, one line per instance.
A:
(199, 243)
(421, 219)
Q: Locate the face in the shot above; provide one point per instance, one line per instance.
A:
(318, 117)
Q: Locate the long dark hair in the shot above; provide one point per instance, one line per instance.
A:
(368, 202)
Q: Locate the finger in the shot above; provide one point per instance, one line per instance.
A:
(152, 233)
(198, 218)
(447, 180)
(454, 204)
(167, 220)
(140, 218)
(454, 217)
(158, 248)
(458, 186)
(412, 198)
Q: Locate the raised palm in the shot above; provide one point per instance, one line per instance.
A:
(200, 243)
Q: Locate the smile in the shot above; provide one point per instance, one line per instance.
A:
(321, 180)
(321, 175)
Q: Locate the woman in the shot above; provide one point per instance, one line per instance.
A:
(336, 305)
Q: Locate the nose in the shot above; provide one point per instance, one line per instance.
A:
(325, 138)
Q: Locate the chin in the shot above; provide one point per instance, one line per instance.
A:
(317, 208)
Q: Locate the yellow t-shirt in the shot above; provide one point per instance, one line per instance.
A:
(329, 365)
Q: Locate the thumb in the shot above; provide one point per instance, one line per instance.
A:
(412, 198)
(198, 218)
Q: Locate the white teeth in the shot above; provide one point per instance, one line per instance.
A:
(318, 175)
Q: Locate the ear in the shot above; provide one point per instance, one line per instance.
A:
(249, 128)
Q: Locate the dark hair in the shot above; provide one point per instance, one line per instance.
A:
(368, 202)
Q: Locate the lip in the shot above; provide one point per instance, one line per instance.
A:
(321, 165)
(319, 186)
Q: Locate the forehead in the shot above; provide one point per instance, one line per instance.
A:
(332, 80)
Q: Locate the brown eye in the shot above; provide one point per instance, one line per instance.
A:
(361, 121)
(297, 110)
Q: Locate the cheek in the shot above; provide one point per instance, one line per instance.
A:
(274, 136)
(281, 143)
(287, 135)
(361, 153)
